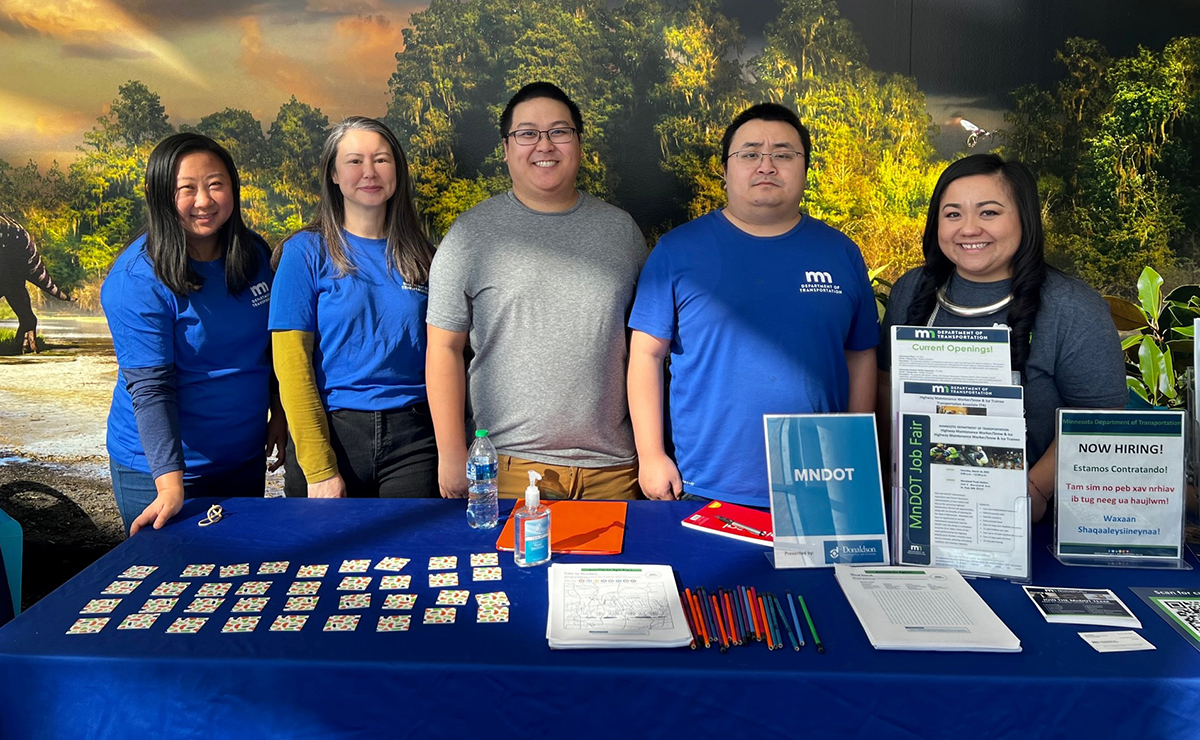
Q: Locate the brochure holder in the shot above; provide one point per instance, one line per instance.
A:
(826, 490)
(1120, 489)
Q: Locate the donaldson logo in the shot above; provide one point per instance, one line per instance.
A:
(817, 475)
(853, 551)
(260, 293)
(817, 281)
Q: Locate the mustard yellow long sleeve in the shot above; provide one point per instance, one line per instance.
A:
(307, 423)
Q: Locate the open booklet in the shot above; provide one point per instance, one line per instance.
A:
(906, 608)
(615, 606)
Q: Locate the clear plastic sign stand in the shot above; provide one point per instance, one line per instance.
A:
(1121, 489)
(1191, 526)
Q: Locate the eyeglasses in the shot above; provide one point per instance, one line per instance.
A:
(751, 157)
(531, 136)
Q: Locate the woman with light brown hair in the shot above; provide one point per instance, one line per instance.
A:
(348, 328)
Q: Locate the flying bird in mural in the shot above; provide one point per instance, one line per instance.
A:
(20, 261)
(974, 133)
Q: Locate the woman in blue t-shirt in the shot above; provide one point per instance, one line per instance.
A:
(187, 303)
(348, 328)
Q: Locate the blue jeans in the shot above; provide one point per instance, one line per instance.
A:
(134, 490)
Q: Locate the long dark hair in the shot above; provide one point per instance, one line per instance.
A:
(408, 249)
(166, 242)
(1028, 264)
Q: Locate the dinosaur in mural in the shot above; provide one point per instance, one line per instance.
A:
(20, 261)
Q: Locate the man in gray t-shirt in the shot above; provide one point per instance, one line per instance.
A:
(539, 280)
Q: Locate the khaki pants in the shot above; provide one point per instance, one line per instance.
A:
(562, 482)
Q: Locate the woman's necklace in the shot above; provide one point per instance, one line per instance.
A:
(969, 312)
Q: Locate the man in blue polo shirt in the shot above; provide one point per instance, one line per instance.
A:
(762, 310)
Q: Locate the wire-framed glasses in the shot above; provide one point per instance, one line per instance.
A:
(782, 157)
(531, 136)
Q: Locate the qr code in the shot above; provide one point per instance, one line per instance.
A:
(1187, 611)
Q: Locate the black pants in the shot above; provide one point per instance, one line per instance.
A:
(380, 454)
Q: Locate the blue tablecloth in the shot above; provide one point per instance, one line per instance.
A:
(501, 680)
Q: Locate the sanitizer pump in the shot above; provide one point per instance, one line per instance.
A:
(532, 530)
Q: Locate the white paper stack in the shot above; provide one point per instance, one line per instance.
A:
(908, 608)
(615, 606)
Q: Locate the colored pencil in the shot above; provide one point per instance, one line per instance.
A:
(792, 605)
(784, 620)
(687, 615)
(762, 612)
(705, 610)
(720, 623)
(696, 617)
(746, 614)
(811, 627)
(758, 630)
(774, 626)
(733, 627)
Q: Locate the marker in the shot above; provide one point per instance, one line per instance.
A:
(792, 604)
(811, 627)
(787, 625)
(742, 527)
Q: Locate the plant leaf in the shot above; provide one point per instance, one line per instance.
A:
(1149, 362)
(1137, 387)
(1126, 315)
(1187, 331)
(1130, 341)
(1150, 293)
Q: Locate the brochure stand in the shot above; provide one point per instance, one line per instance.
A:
(1120, 494)
(826, 490)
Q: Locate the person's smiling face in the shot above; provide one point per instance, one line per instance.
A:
(979, 227)
(365, 170)
(544, 171)
(203, 197)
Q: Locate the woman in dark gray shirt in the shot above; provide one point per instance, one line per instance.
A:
(984, 265)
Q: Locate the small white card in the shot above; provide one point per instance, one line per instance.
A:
(1116, 642)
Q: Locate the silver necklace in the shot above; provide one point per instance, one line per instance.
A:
(969, 312)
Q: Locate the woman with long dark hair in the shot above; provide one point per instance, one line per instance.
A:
(187, 303)
(348, 323)
(985, 265)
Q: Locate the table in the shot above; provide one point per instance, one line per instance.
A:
(501, 680)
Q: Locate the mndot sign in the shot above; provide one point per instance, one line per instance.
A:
(1120, 493)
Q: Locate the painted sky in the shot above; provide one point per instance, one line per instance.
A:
(61, 61)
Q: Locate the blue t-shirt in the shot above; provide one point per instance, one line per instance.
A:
(369, 325)
(758, 325)
(218, 344)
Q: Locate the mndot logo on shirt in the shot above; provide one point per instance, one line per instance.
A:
(819, 281)
(260, 293)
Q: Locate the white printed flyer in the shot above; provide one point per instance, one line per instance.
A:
(963, 494)
(964, 399)
(1120, 493)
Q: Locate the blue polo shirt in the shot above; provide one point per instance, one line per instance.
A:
(218, 344)
(758, 325)
(369, 325)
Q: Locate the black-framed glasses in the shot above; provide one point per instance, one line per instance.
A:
(782, 157)
(531, 136)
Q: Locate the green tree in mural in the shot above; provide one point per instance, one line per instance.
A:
(1124, 195)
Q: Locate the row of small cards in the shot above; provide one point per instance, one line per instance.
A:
(205, 605)
(492, 608)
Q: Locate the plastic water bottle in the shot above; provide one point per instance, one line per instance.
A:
(482, 507)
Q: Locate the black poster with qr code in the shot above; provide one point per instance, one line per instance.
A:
(1180, 607)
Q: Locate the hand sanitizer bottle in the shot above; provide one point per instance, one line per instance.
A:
(532, 528)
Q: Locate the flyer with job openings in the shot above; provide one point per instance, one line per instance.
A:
(1120, 491)
(963, 501)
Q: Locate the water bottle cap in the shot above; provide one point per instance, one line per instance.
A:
(480, 433)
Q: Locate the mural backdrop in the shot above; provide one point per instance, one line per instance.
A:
(1102, 98)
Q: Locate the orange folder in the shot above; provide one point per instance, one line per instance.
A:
(581, 527)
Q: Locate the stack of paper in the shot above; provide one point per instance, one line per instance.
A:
(615, 606)
(906, 608)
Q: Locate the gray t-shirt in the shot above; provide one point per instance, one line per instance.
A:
(545, 297)
(1074, 357)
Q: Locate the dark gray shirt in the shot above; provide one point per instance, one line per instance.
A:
(1074, 356)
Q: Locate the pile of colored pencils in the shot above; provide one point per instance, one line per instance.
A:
(728, 617)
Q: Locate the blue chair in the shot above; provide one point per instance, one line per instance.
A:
(12, 544)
